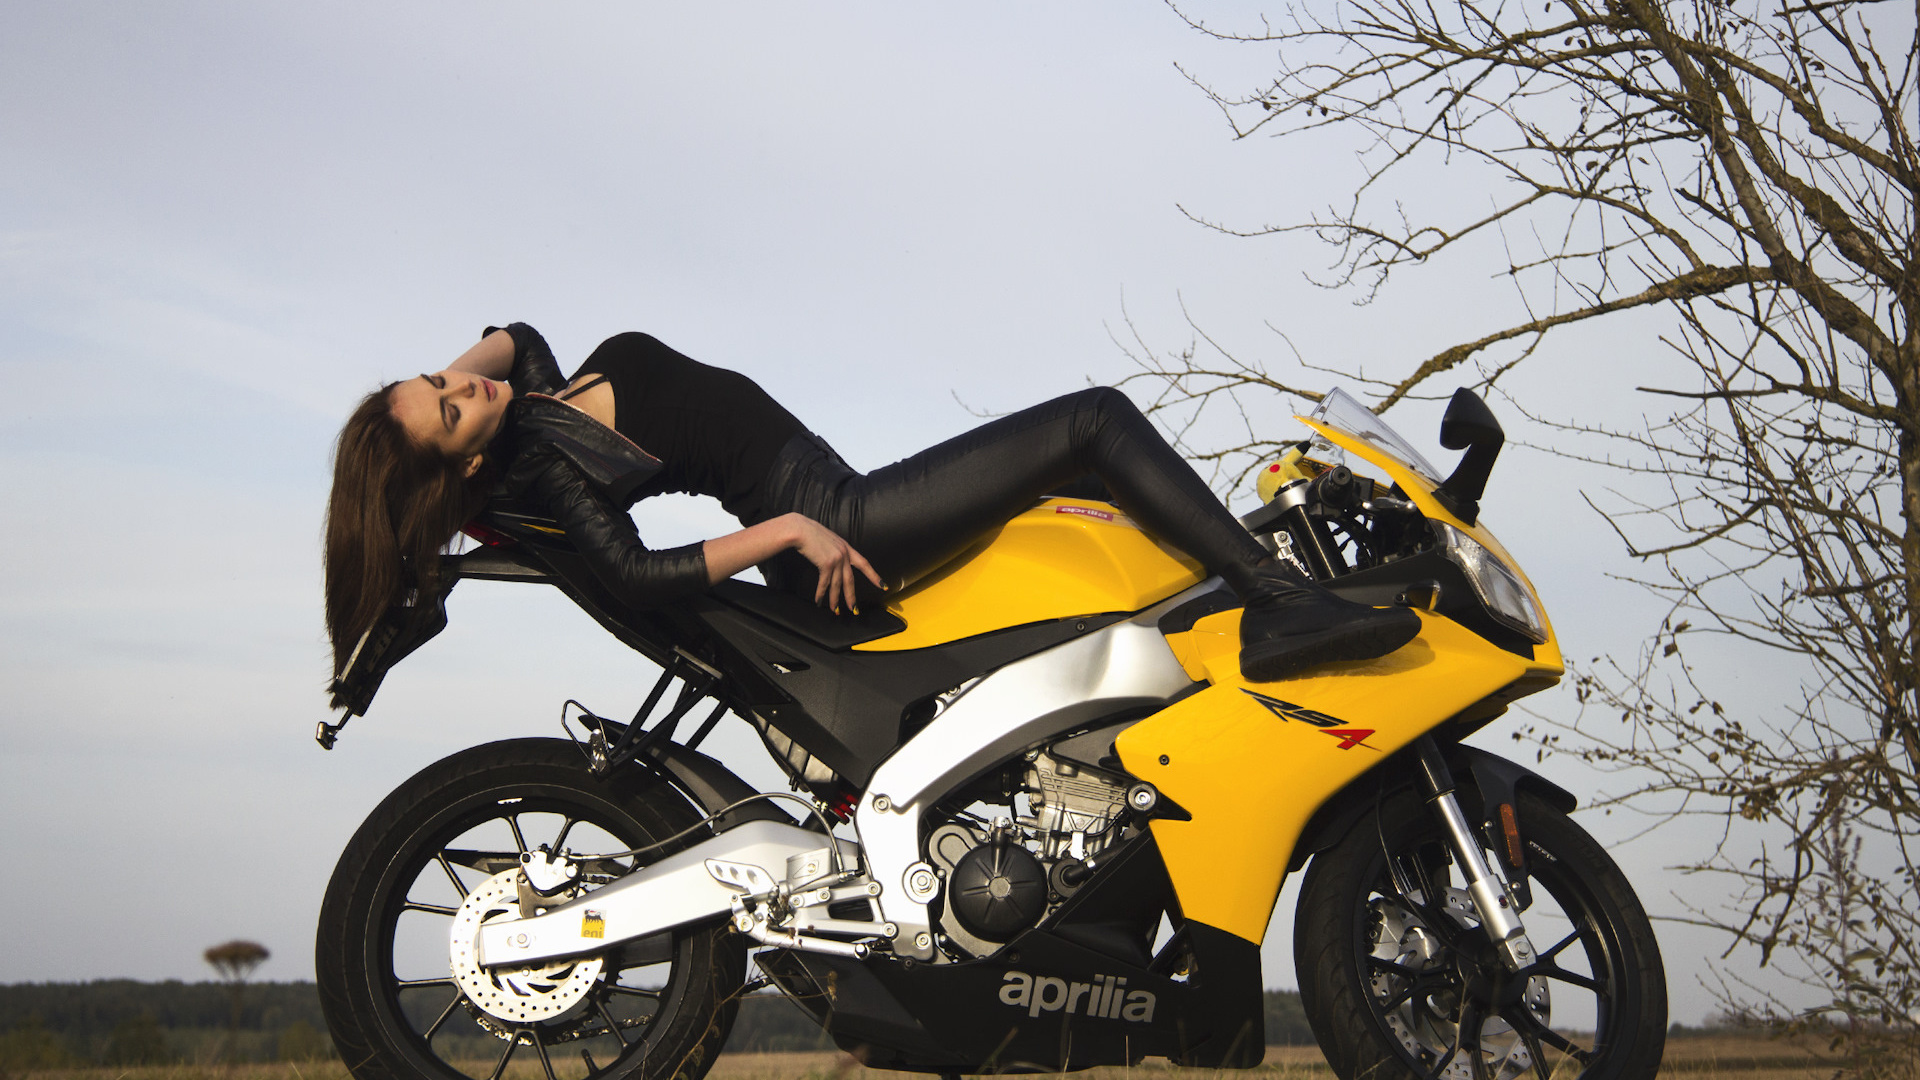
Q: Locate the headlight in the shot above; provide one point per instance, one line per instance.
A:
(1500, 589)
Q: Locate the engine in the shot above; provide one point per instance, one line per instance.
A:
(1006, 873)
(1074, 807)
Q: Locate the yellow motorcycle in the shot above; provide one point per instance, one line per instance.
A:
(1039, 820)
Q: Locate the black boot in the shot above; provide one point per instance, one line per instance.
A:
(1291, 623)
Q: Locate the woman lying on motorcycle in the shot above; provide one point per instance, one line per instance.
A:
(419, 457)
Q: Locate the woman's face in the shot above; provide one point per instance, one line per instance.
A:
(454, 412)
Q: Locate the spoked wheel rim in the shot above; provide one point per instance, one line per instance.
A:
(545, 1013)
(1437, 989)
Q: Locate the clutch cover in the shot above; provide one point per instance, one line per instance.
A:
(997, 890)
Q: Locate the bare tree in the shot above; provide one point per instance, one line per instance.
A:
(1748, 166)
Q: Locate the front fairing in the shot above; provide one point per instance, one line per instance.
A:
(1418, 489)
(1251, 763)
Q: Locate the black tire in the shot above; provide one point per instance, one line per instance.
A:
(652, 1011)
(1593, 1005)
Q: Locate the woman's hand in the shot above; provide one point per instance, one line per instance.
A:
(834, 558)
(831, 555)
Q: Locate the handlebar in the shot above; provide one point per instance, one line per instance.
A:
(1300, 523)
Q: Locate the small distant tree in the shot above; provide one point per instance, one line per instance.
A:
(236, 960)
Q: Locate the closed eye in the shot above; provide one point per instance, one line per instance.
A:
(449, 414)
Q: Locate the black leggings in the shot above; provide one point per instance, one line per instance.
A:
(918, 513)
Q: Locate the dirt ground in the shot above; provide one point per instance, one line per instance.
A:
(1729, 1058)
(1691, 1059)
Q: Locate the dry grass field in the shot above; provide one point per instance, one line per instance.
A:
(1728, 1058)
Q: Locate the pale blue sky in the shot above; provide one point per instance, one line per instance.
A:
(222, 223)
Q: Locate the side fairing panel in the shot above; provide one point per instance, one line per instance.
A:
(1251, 762)
(1063, 558)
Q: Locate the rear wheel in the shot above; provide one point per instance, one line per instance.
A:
(1398, 980)
(404, 999)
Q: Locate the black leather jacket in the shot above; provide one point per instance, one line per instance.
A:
(562, 464)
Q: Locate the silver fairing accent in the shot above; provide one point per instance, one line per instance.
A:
(1125, 665)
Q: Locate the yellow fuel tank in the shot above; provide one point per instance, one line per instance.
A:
(1064, 557)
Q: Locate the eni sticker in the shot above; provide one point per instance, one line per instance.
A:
(592, 925)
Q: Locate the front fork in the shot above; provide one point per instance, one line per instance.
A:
(1486, 885)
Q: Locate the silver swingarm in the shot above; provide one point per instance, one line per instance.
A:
(745, 872)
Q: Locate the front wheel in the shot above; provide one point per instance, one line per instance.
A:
(404, 999)
(1399, 981)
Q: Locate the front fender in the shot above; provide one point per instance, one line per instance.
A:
(1497, 780)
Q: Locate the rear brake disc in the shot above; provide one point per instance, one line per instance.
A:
(511, 996)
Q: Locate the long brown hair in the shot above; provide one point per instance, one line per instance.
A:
(395, 506)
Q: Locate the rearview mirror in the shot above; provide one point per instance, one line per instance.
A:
(1469, 425)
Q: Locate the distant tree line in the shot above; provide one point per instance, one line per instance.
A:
(125, 1022)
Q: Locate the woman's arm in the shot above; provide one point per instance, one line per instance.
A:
(825, 549)
(491, 357)
(645, 578)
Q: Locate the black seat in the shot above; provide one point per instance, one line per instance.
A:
(811, 621)
(498, 563)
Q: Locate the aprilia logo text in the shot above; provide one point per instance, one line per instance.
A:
(1106, 997)
(1098, 515)
(1349, 737)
